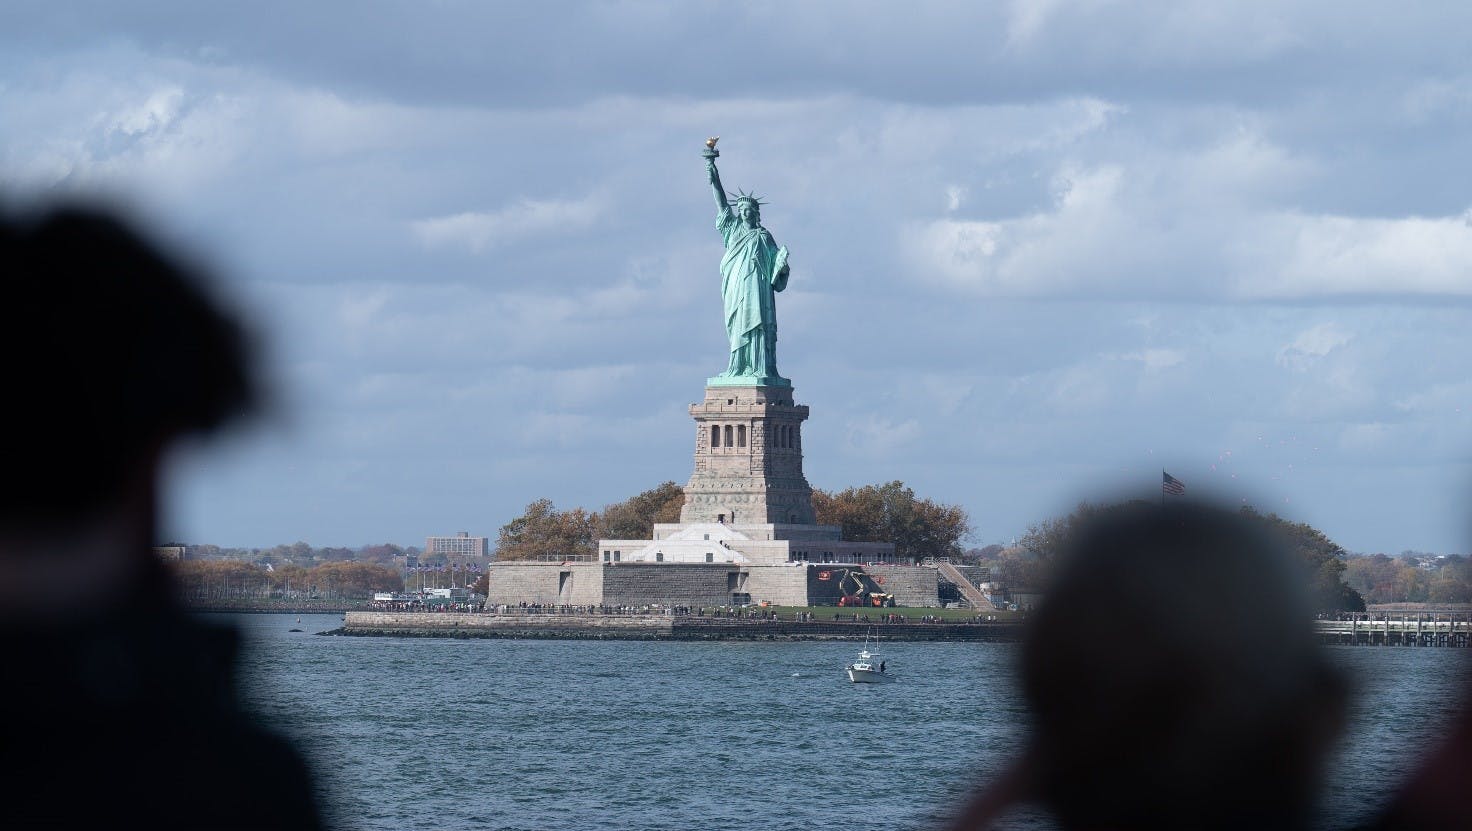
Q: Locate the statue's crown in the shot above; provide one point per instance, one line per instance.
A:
(743, 196)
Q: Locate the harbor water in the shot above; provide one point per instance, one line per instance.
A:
(409, 733)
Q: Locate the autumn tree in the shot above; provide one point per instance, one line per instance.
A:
(354, 580)
(1029, 563)
(1449, 590)
(1044, 540)
(335, 554)
(985, 555)
(892, 513)
(635, 517)
(221, 579)
(384, 553)
(1021, 568)
(205, 552)
(1412, 577)
(1454, 576)
(1322, 559)
(289, 579)
(1412, 584)
(1374, 577)
(482, 585)
(542, 532)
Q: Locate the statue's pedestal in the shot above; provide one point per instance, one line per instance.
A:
(748, 522)
(748, 458)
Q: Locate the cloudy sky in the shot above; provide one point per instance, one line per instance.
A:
(1041, 250)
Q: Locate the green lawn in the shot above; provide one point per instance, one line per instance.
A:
(912, 614)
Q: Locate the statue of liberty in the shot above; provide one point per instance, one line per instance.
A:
(753, 268)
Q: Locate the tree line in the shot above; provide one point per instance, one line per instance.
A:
(238, 580)
(1029, 563)
(543, 532)
(923, 528)
(306, 555)
(1411, 577)
(889, 512)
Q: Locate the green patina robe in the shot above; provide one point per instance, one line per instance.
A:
(753, 267)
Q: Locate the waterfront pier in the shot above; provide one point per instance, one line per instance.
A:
(1399, 629)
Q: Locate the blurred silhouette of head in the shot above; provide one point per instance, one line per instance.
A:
(1174, 677)
(111, 352)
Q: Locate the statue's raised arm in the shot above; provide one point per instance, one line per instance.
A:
(715, 184)
(711, 153)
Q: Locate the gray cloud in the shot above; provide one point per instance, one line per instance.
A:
(1037, 248)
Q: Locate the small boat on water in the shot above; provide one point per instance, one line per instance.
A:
(868, 668)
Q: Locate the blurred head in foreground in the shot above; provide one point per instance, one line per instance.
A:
(1173, 678)
(111, 353)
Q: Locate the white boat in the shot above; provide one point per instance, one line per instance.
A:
(868, 668)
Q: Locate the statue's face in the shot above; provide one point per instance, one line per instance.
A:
(750, 212)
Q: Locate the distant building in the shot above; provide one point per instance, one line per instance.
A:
(171, 552)
(1025, 599)
(460, 545)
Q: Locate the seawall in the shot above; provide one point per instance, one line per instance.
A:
(1406, 632)
(657, 627)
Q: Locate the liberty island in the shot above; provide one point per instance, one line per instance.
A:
(747, 532)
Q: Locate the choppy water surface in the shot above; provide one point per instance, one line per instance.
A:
(500, 734)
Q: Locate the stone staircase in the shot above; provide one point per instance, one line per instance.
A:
(964, 583)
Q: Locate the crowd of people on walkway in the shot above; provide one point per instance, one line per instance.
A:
(526, 608)
(743, 613)
(423, 606)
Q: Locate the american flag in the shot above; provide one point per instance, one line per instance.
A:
(1171, 485)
